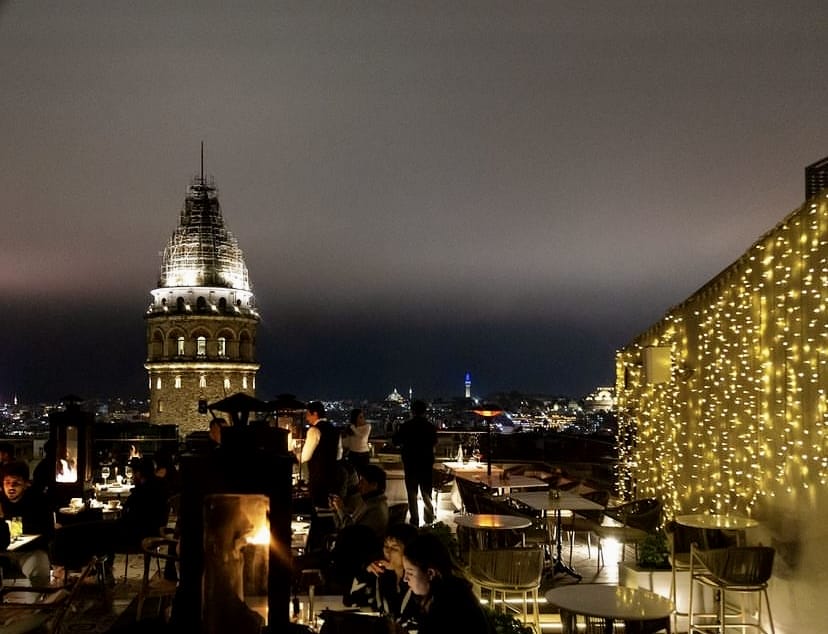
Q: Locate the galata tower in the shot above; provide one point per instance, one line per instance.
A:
(201, 322)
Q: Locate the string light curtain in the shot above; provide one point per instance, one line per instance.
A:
(744, 414)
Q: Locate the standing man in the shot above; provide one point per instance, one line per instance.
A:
(322, 451)
(418, 437)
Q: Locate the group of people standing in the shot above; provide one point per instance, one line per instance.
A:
(323, 451)
(413, 579)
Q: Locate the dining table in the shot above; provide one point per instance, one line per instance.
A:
(105, 492)
(487, 526)
(557, 501)
(640, 610)
(21, 540)
(718, 521)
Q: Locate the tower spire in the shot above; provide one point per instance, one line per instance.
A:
(202, 162)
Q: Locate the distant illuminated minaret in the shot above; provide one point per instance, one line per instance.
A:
(468, 384)
(202, 319)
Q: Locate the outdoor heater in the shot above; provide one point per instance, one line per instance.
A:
(488, 411)
(236, 565)
(70, 437)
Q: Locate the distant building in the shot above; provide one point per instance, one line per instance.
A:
(467, 384)
(816, 178)
(202, 320)
(602, 398)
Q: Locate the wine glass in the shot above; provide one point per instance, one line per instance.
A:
(105, 473)
(128, 474)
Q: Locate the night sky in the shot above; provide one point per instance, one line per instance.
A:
(514, 189)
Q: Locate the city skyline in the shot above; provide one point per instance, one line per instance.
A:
(511, 190)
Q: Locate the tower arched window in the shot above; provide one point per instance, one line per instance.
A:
(244, 382)
(179, 304)
(201, 346)
(223, 304)
(178, 382)
(158, 383)
(222, 346)
(179, 350)
(226, 383)
(201, 304)
(202, 381)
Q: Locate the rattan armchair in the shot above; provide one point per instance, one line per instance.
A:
(505, 571)
(737, 570)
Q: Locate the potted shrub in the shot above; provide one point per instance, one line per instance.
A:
(653, 552)
(504, 623)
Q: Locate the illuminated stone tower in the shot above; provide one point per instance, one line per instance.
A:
(467, 384)
(201, 323)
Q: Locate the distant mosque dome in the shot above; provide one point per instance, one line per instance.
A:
(603, 398)
(395, 397)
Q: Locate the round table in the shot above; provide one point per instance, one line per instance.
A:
(487, 525)
(489, 521)
(714, 520)
(634, 606)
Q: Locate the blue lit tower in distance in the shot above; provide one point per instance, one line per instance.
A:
(467, 382)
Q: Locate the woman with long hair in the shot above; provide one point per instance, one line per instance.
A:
(447, 600)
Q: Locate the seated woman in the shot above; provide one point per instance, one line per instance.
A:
(446, 598)
(381, 587)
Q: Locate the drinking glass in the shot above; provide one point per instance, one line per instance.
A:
(128, 474)
(105, 473)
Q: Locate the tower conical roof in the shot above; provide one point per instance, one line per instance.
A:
(202, 251)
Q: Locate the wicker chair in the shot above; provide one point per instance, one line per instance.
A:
(154, 584)
(507, 571)
(738, 570)
(584, 522)
(632, 522)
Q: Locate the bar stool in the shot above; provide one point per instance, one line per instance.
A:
(738, 570)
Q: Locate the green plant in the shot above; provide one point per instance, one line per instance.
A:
(653, 551)
(506, 623)
(445, 535)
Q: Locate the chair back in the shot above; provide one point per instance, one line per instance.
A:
(467, 494)
(514, 568)
(741, 565)
(644, 514)
(601, 497)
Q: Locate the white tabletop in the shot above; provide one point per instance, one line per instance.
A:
(472, 467)
(499, 482)
(488, 521)
(566, 501)
(21, 541)
(610, 602)
(715, 520)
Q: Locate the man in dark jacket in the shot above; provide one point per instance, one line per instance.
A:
(146, 510)
(418, 437)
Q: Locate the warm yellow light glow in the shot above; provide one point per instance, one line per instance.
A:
(750, 419)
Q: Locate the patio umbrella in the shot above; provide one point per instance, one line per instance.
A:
(285, 403)
(239, 406)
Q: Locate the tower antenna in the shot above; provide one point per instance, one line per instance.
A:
(202, 162)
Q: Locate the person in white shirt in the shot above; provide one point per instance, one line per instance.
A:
(322, 452)
(359, 453)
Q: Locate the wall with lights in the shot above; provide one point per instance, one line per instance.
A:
(738, 423)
